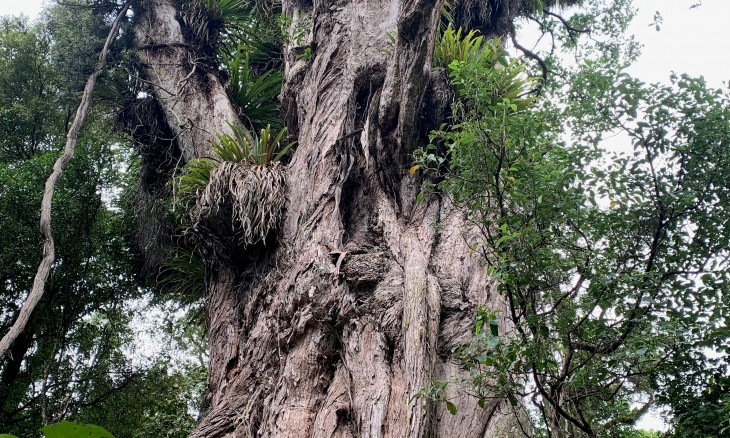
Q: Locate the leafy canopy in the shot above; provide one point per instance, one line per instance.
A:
(614, 265)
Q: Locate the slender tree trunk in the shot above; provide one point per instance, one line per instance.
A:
(333, 328)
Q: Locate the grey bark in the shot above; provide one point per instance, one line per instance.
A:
(355, 305)
(193, 99)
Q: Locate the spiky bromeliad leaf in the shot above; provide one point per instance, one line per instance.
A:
(259, 149)
(242, 191)
(241, 147)
(231, 10)
(192, 181)
(219, 13)
(255, 95)
(473, 56)
(211, 20)
(183, 275)
(506, 85)
(451, 46)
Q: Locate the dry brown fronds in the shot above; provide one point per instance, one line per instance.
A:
(247, 200)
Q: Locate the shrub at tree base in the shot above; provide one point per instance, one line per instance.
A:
(68, 429)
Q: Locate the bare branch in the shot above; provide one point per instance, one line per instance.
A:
(534, 56)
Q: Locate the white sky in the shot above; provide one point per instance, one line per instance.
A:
(690, 41)
(30, 8)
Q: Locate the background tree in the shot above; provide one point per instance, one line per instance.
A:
(72, 360)
(612, 263)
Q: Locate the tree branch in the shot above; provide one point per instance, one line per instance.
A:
(532, 55)
(49, 250)
(571, 30)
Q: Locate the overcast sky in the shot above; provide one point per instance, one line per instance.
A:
(690, 41)
(30, 8)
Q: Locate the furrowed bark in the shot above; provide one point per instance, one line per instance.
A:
(333, 328)
(49, 249)
(342, 332)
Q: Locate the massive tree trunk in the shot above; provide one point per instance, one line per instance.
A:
(355, 304)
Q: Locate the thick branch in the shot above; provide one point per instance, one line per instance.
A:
(49, 250)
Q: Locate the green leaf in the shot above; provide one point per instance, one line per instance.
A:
(494, 327)
(493, 342)
(67, 429)
(451, 407)
(7, 435)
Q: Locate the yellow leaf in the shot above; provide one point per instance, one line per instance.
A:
(414, 168)
(613, 204)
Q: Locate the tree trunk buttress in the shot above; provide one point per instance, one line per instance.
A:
(355, 306)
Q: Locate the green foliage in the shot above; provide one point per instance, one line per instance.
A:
(67, 429)
(91, 278)
(451, 46)
(73, 359)
(183, 275)
(494, 91)
(485, 92)
(614, 265)
(295, 28)
(28, 103)
(258, 35)
(702, 409)
(481, 71)
(249, 53)
(192, 181)
(158, 402)
(255, 94)
(447, 14)
(230, 10)
(208, 20)
(241, 147)
(77, 36)
(259, 149)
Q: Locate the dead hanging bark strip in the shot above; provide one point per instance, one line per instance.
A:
(49, 250)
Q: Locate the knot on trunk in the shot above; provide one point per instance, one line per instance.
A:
(367, 268)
